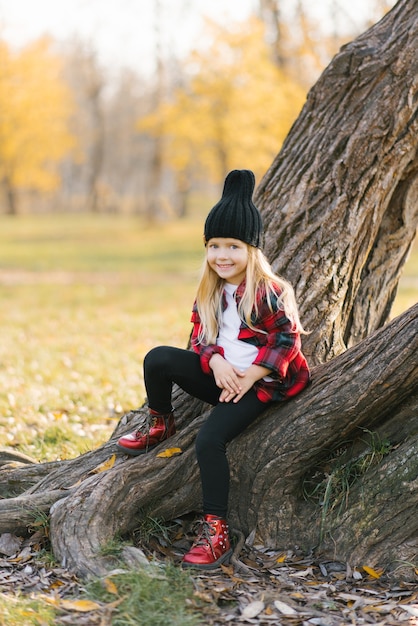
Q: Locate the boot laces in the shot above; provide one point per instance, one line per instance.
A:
(150, 421)
(206, 532)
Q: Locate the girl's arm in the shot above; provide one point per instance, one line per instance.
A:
(280, 346)
(205, 352)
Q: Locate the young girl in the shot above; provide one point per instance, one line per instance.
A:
(246, 354)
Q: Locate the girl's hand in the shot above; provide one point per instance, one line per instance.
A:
(233, 382)
(247, 380)
(226, 377)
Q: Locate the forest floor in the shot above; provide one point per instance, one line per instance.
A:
(261, 587)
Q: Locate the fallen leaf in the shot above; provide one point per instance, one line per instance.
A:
(104, 466)
(253, 609)
(110, 586)
(373, 572)
(84, 606)
(228, 569)
(52, 600)
(25, 555)
(387, 607)
(284, 608)
(169, 452)
(206, 597)
(57, 584)
(306, 572)
(297, 595)
(9, 544)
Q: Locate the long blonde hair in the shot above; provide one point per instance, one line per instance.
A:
(259, 278)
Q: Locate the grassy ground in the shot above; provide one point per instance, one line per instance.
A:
(83, 299)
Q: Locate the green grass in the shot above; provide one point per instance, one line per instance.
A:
(100, 243)
(23, 611)
(82, 300)
(331, 483)
(151, 597)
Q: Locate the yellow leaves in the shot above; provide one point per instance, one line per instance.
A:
(56, 585)
(110, 586)
(374, 573)
(79, 605)
(237, 103)
(36, 106)
(169, 452)
(82, 606)
(106, 465)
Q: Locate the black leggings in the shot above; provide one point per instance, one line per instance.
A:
(164, 366)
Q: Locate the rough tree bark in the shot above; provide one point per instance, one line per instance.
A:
(340, 199)
(335, 469)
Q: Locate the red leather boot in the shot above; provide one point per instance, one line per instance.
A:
(158, 428)
(212, 546)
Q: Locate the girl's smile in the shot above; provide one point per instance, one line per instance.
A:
(228, 258)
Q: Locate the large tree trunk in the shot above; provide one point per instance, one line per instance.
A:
(335, 468)
(341, 199)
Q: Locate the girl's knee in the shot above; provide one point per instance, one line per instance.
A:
(208, 443)
(156, 357)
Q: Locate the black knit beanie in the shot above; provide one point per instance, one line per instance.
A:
(235, 215)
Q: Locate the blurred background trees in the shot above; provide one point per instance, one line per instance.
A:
(77, 136)
(36, 106)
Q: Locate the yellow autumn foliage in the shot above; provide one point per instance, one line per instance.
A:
(169, 452)
(235, 110)
(36, 106)
(106, 465)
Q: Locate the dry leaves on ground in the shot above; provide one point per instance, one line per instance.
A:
(283, 588)
(302, 591)
(261, 587)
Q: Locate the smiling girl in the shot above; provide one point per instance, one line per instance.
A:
(246, 353)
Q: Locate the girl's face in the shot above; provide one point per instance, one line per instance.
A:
(228, 258)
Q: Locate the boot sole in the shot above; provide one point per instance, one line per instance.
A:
(133, 452)
(208, 566)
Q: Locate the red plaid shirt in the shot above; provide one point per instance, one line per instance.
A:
(279, 349)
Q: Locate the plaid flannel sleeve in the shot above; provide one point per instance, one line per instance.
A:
(281, 345)
(205, 352)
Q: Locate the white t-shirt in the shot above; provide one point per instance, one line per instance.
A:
(239, 353)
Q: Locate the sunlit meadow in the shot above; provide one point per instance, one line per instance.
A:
(83, 298)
